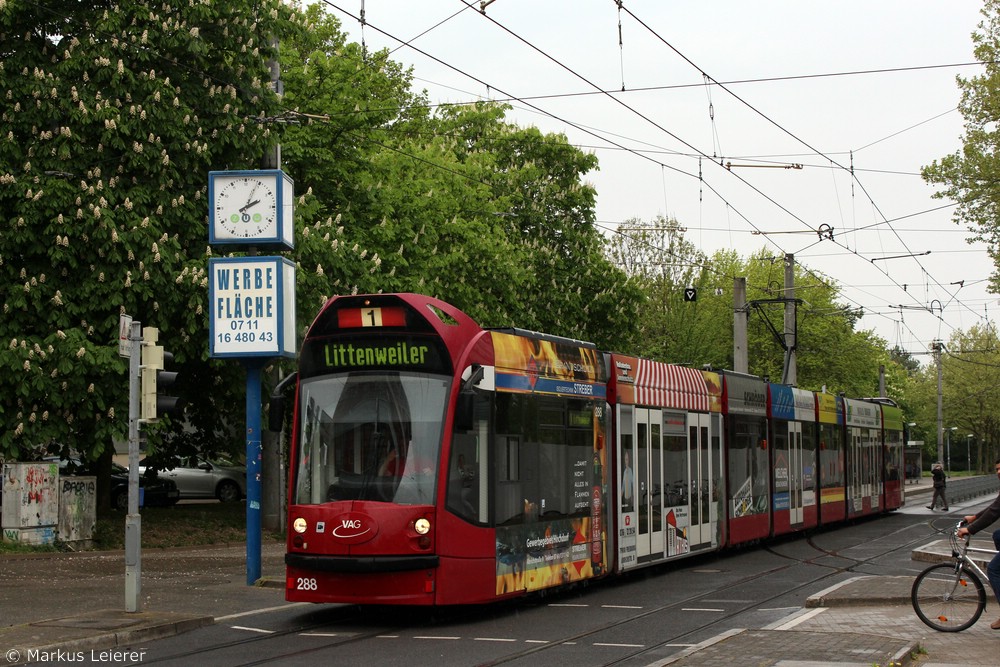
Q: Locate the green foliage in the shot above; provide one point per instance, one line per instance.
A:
(113, 118)
(662, 264)
(830, 351)
(970, 399)
(459, 204)
(969, 176)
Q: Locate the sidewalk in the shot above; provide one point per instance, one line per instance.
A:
(75, 602)
(863, 622)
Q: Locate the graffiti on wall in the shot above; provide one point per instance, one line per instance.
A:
(77, 508)
(30, 492)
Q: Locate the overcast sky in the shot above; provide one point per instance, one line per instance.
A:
(868, 85)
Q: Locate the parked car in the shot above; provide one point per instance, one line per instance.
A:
(155, 491)
(203, 478)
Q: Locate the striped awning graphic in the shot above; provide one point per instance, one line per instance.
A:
(668, 386)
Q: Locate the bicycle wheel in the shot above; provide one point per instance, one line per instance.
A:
(948, 597)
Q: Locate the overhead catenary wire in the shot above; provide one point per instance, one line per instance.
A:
(700, 178)
(854, 178)
(663, 166)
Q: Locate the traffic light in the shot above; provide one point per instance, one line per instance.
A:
(155, 380)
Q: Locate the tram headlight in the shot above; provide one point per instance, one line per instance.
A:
(300, 525)
(422, 526)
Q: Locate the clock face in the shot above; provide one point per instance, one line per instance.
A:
(246, 206)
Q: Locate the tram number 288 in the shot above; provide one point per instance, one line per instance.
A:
(306, 584)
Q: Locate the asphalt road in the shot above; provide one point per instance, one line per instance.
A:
(633, 621)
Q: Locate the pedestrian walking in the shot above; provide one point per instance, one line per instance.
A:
(940, 482)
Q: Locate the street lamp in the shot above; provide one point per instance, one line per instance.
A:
(948, 450)
(968, 455)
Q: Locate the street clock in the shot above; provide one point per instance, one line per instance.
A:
(251, 208)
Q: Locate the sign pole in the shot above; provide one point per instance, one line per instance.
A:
(252, 302)
(254, 367)
(133, 520)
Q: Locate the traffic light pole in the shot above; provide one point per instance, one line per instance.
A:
(133, 521)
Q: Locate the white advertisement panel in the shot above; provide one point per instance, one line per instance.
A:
(252, 301)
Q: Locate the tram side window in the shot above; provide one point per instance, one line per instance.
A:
(893, 455)
(808, 456)
(553, 461)
(553, 438)
(509, 506)
(514, 418)
(675, 466)
(830, 453)
(748, 467)
(467, 469)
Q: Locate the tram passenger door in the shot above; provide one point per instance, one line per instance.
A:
(649, 475)
(854, 468)
(702, 477)
(875, 468)
(795, 473)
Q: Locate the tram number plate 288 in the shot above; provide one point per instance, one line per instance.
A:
(306, 584)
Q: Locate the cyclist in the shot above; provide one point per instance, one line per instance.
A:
(975, 523)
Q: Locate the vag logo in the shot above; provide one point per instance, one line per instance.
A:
(354, 527)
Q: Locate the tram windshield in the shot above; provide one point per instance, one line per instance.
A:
(370, 436)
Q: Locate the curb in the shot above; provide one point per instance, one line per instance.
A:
(691, 650)
(820, 599)
(895, 590)
(270, 582)
(152, 626)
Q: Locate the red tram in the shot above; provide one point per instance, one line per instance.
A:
(435, 462)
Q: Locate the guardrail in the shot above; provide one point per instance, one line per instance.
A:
(967, 488)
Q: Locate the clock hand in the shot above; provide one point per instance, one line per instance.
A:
(250, 201)
(249, 204)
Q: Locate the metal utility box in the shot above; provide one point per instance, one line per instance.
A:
(77, 510)
(30, 502)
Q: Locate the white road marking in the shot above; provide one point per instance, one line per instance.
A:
(619, 645)
(223, 619)
(260, 630)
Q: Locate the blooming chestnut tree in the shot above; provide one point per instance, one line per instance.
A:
(112, 116)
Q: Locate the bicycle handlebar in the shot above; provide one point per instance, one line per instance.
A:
(953, 535)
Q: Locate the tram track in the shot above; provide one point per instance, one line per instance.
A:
(330, 620)
(345, 614)
(679, 604)
(674, 605)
